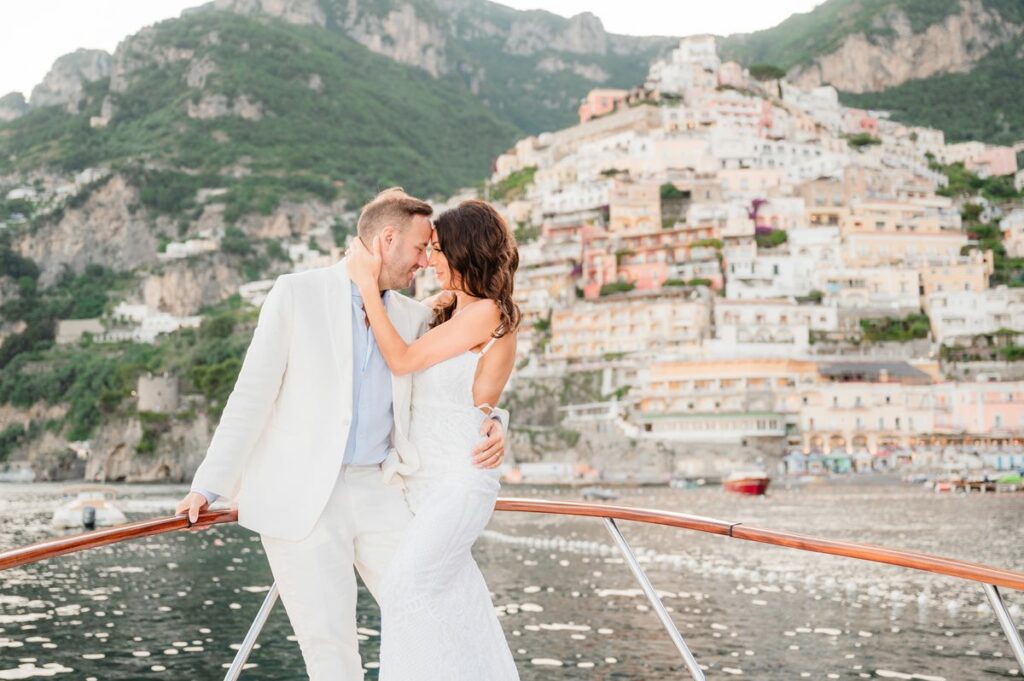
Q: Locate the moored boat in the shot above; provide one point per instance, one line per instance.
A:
(754, 483)
(90, 506)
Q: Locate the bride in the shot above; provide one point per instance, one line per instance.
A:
(437, 618)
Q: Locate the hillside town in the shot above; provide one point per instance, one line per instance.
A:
(717, 268)
(751, 265)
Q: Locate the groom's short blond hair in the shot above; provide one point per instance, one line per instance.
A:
(391, 207)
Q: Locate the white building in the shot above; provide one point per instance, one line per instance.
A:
(177, 250)
(969, 313)
(1013, 233)
(140, 324)
(768, 327)
(692, 65)
(821, 103)
(877, 289)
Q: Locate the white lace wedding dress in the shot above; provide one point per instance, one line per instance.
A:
(437, 619)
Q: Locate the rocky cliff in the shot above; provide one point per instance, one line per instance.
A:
(12, 105)
(64, 84)
(108, 228)
(869, 64)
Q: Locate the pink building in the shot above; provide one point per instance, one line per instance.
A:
(993, 161)
(647, 259)
(730, 74)
(600, 102)
(859, 121)
(980, 410)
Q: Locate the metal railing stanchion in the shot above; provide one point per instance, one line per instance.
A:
(250, 637)
(652, 596)
(1006, 622)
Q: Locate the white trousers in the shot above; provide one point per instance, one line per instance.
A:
(362, 525)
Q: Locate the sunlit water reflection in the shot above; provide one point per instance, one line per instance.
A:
(176, 606)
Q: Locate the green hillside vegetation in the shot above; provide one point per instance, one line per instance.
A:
(893, 329)
(981, 105)
(375, 122)
(535, 100)
(963, 182)
(96, 380)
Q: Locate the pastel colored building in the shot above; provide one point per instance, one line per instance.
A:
(850, 416)
(648, 258)
(629, 324)
(985, 411)
(881, 289)
(858, 121)
(970, 272)
(600, 102)
(725, 401)
(867, 249)
(730, 74)
(993, 161)
(634, 206)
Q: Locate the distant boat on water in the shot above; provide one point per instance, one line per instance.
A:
(754, 483)
(88, 506)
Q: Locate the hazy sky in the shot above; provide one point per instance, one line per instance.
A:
(33, 34)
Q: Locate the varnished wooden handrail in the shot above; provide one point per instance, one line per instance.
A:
(876, 554)
(59, 546)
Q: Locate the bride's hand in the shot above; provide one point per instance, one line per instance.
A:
(364, 263)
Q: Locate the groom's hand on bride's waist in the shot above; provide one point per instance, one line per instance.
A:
(491, 452)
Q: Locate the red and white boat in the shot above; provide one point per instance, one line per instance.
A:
(747, 482)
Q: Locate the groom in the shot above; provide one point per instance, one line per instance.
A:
(314, 431)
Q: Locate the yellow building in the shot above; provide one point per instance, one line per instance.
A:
(965, 273)
(634, 206)
(722, 400)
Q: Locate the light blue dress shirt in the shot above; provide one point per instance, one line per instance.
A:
(369, 434)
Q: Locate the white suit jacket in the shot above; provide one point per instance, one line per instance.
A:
(278, 448)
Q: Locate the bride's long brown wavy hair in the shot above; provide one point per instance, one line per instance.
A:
(482, 252)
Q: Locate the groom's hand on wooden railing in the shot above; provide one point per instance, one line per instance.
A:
(491, 452)
(193, 504)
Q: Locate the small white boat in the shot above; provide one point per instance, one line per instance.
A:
(88, 506)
